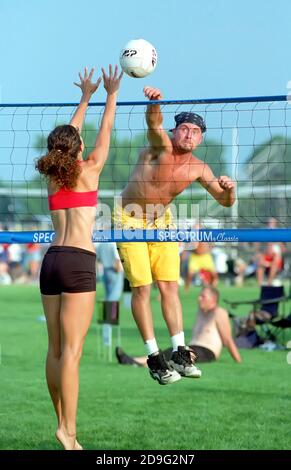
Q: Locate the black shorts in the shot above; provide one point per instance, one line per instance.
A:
(67, 269)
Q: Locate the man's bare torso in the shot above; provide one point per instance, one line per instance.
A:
(158, 180)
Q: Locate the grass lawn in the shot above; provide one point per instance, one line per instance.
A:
(233, 406)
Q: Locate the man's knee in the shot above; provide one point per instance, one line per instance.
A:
(141, 292)
(168, 288)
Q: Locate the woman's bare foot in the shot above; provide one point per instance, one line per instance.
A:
(78, 445)
(68, 442)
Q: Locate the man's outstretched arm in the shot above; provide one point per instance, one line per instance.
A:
(222, 188)
(157, 136)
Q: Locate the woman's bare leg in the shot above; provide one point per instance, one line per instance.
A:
(76, 315)
(52, 307)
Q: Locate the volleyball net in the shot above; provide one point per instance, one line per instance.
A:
(247, 139)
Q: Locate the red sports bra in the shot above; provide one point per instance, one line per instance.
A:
(67, 199)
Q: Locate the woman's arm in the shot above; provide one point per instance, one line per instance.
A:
(88, 88)
(111, 84)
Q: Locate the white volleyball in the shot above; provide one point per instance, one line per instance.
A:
(138, 58)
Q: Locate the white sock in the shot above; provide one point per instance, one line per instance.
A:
(178, 340)
(151, 346)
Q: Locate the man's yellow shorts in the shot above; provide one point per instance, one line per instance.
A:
(145, 262)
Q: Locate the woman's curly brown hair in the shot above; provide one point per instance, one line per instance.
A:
(61, 164)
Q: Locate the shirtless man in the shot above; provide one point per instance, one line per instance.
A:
(211, 331)
(163, 171)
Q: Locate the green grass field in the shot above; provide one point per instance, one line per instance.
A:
(233, 406)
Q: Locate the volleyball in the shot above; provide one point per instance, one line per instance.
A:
(138, 58)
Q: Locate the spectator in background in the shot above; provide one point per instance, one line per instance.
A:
(15, 263)
(244, 262)
(108, 256)
(269, 263)
(32, 261)
(201, 262)
(4, 253)
(272, 222)
(211, 331)
(220, 259)
(5, 278)
(270, 259)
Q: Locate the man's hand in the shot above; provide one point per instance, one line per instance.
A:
(87, 86)
(226, 183)
(152, 93)
(157, 136)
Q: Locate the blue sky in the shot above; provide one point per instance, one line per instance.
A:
(210, 48)
(206, 49)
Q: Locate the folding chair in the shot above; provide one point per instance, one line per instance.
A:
(270, 320)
